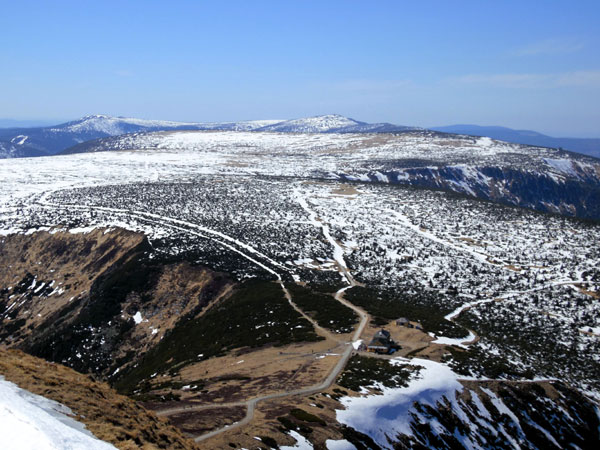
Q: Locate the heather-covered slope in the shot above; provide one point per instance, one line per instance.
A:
(94, 300)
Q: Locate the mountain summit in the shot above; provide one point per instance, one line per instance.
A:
(316, 124)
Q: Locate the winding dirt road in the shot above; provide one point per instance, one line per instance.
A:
(253, 255)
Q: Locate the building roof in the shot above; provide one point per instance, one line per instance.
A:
(382, 334)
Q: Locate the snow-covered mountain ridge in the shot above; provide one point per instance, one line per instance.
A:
(24, 142)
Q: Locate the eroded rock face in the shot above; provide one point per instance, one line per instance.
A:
(95, 301)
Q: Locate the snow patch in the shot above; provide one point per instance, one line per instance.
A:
(339, 445)
(389, 414)
(301, 443)
(29, 421)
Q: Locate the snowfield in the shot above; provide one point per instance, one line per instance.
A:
(32, 422)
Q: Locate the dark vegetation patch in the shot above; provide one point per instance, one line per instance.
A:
(475, 361)
(414, 352)
(423, 307)
(360, 440)
(256, 314)
(305, 416)
(364, 371)
(543, 343)
(269, 441)
(11, 327)
(109, 291)
(327, 288)
(326, 310)
(287, 424)
(194, 423)
(82, 327)
(210, 254)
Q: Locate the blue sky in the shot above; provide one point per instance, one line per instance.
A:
(522, 64)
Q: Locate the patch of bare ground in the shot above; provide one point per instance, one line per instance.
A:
(455, 143)
(109, 416)
(312, 416)
(245, 374)
(413, 342)
(594, 294)
(345, 190)
(471, 241)
(194, 423)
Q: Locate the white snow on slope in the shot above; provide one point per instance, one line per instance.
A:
(389, 414)
(342, 444)
(301, 443)
(19, 140)
(459, 342)
(29, 421)
(137, 317)
(118, 125)
(562, 165)
(316, 124)
(7, 150)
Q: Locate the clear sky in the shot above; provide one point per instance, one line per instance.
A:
(522, 64)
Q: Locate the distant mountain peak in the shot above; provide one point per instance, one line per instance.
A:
(54, 139)
(95, 117)
(315, 124)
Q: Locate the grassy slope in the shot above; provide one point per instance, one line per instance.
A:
(256, 314)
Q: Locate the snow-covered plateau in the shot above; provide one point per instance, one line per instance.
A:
(518, 289)
(24, 142)
(545, 179)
